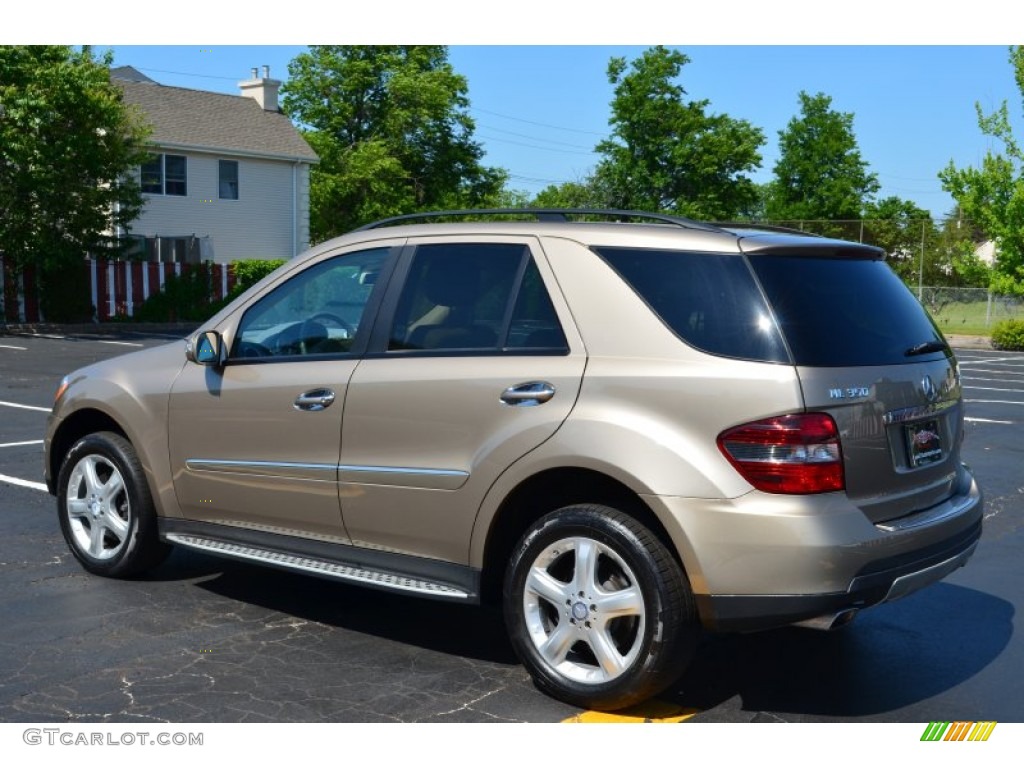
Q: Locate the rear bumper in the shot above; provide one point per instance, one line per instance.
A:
(766, 561)
(739, 613)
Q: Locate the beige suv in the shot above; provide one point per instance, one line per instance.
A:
(625, 427)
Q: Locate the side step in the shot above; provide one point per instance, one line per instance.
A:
(349, 573)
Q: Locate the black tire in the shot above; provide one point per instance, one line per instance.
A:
(642, 649)
(105, 508)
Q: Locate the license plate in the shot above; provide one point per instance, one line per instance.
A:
(923, 443)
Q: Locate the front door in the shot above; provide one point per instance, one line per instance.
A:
(255, 443)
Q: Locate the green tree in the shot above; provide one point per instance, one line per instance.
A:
(906, 232)
(585, 193)
(820, 174)
(992, 196)
(391, 127)
(68, 145)
(669, 154)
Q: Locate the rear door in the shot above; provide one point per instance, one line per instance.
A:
(474, 364)
(868, 354)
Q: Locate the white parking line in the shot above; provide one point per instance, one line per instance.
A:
(23, 483)
(11, 346)
(991, 389)
(1000, 380)
(994, 370)
(986, 421)
(26, 407)
(123, 343)
(996, 402)
(23, 442)
(987, 360)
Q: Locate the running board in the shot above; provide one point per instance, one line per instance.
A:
(333, 570)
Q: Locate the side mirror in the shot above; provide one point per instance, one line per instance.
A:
(205, 348)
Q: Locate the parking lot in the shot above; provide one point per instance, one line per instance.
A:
(206, 640)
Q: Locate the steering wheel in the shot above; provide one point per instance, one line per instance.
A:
(332, 320)
(253, 349)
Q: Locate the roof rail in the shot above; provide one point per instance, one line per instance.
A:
(547, 214)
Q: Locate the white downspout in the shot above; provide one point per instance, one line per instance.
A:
(295, 209)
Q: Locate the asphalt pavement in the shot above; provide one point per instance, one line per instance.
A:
(207, 640)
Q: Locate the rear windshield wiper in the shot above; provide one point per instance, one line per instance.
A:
(926, 347)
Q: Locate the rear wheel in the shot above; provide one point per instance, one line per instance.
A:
(106, 512)
(597, 608)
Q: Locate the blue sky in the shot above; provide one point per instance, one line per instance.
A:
(540, 110)
(537, 69)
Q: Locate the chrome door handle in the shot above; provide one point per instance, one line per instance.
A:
(314, 400)
(530, 393)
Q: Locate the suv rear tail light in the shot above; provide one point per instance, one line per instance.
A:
(799, 453)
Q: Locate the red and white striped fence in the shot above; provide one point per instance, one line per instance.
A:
(117, 288)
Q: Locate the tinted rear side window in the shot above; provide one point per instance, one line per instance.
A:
(843, 312)
(709, 300)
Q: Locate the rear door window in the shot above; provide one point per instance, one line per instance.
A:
(483, 298)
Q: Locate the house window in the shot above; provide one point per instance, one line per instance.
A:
(165, 175)
(228, 180)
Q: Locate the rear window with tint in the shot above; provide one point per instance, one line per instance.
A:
(709, 300)
(843, 312)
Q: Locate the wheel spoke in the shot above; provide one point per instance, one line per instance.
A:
(624, 602)
(608, 656)
(585, 576)
(557, 646)
(96, 537)
(93, 484)
(113, 522)
(78, 507)
(113, 486)
(546, 586)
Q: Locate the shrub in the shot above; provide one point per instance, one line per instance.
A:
(187, 297)
(248, 272)
(1008, 334)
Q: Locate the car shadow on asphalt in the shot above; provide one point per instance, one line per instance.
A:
(891, 657)
(456, 629)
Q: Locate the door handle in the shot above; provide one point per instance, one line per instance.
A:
(530, 393)
(314, 400)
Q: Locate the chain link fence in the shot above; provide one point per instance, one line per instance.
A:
(970, 310)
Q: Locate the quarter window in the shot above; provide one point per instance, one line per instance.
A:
(165, 175)
(710, 300)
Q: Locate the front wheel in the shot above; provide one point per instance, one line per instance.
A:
(105, 508)
(597, 608)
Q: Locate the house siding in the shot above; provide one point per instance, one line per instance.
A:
(259, 224)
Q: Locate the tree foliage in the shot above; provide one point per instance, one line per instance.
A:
(67, 146)
(669, 154)
(992, 195)
(391, 127)
(820, 174)
(905, 231)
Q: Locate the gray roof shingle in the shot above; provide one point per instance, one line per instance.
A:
(215, 121)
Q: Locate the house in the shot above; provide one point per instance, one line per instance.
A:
(229, 175)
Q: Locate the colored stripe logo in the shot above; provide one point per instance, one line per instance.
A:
(958, 731)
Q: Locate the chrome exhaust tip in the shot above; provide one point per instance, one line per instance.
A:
(829, 621)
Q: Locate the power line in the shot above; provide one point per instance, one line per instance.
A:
(534, 122)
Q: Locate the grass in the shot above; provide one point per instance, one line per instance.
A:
(969, 318)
